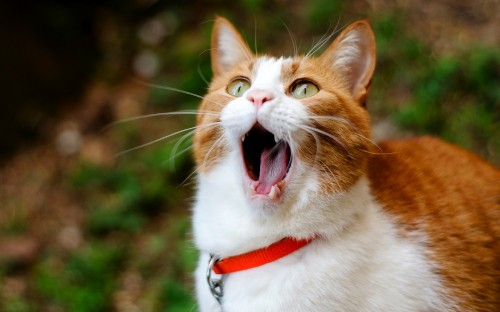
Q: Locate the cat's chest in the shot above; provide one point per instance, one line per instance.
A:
(369, 269)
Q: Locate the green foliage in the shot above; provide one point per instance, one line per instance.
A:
(84, 282)
(455, 96)
(176, 298)
(17, 304)
(324, 12)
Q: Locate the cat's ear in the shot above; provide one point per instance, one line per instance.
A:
(228, 47)
(352, 54)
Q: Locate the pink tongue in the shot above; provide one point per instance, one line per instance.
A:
(273, 165)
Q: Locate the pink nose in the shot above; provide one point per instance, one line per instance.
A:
(258, 96)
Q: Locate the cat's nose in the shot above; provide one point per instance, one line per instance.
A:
(259, 96)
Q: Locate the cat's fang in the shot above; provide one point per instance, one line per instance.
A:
(253, 186)
(275, 192)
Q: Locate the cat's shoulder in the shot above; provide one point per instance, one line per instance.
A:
(453, 197)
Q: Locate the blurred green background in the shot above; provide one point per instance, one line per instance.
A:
(82, 229)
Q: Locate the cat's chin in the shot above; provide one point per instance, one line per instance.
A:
(263, 206)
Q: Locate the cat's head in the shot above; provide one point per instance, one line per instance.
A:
(287, 123)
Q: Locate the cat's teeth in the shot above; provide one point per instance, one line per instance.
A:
(275, 192)
(243, 137)
(275, 139)
(253, 187)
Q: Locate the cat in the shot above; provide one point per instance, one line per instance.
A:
(298, 210)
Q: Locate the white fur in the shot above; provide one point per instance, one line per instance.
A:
(358, 263)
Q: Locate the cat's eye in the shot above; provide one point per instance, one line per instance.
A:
(303, 89)
(238, 86)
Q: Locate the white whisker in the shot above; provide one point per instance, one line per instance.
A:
(204, 163)
(347, 122)
(292, 38)
(334, 118)
(186, 112)
(255, 35)
(172, 157)
(174, 153)
(164, 138)
(316, 139)
(331, 173)
(177, 90)
(212, 148)
(324, 39)
(331, 136)
(202, 76)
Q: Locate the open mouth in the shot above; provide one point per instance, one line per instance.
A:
(267, 160)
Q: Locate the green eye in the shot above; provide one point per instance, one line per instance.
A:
(238, 86)
(303, 89)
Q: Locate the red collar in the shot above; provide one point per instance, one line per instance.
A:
(259, 257)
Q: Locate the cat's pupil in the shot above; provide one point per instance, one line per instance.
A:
(302, 90)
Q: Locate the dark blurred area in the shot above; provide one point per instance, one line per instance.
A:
(94, 207)
(51, 50)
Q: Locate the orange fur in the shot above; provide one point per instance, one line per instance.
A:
(454, 198)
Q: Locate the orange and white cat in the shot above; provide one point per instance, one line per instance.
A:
(284, 155)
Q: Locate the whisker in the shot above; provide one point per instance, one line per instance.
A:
(334, 118)
(172, 157)
(321, 42)
(174, 153)
(204, 163)
(245, 48)
(255, 34)
(375, 153)
(202, 76)
(186, 112)
(292, 38)
(212, 148)
(152, 85)
(184, 182)
(331, 173)
(331, 136)
(347, 122)
(164, 138)
(324, 39)
(317, 141)
(373, 143)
